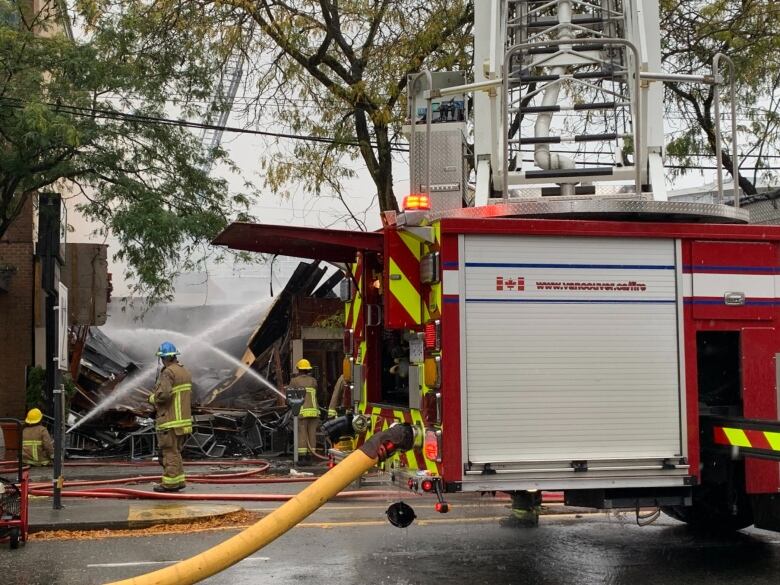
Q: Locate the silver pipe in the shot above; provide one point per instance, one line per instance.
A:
(466, 88)
(718, 153)
(648, 76)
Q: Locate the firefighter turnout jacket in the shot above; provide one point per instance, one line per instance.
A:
(171, 398)
(310, 408)
(337, 397)
(37, 445)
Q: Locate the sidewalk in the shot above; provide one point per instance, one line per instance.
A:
(119, 514)
(115, 513)
(89, 514)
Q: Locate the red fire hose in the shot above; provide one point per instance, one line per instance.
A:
(130, 494)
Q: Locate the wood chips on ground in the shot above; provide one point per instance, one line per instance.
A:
(238, 519)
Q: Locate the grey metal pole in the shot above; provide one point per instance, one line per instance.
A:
(295, 440)
(59, 407)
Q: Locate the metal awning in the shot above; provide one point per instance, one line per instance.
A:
(300, 242)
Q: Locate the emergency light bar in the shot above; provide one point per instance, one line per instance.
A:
(417, 202)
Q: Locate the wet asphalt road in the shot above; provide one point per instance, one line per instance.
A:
(351, 547)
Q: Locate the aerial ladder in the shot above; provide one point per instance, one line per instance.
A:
(567, 103)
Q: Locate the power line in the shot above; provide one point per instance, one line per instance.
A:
(101, 114)
(145, 119)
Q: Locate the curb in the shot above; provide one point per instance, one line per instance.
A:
(136, 522)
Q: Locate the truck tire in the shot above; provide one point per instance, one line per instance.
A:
(13, 538)
(713, 511)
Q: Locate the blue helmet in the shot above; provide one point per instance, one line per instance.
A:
(167, 349)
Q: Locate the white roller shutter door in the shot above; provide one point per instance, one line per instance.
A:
(571, 349)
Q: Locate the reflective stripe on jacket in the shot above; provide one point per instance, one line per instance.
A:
(310, 408)
(37, 445)
(172, 398)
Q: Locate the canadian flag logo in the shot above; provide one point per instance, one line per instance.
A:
(510, 284)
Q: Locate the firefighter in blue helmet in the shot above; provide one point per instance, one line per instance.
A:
(171, 400)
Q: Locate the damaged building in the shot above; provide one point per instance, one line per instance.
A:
(238, 405)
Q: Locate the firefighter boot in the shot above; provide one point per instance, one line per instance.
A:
(525, 510)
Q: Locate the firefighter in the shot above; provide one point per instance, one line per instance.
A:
(171, 400)
(309, 417)
(336, 398)
(37, 446)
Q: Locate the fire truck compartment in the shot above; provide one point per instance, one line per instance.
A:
(571, 362)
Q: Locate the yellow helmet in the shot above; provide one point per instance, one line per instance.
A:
(34, 416)
(303, 365)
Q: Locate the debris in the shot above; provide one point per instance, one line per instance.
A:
(238, 412)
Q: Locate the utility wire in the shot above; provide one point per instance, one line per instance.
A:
(101, 114)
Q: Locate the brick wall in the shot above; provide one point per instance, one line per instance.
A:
(16, 314)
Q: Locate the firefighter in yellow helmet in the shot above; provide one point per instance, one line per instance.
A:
(171, 399)
(37, 446)
(309, 418)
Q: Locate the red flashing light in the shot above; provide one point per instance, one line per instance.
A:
(442, 507)
(433, 335)
(431, 446)
(427, 485)
(417, 202)
(410, 484)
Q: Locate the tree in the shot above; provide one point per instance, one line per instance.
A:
(694, 32)
(64, 126)
(330, 69)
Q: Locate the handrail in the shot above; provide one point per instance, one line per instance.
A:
(718, 153)
(636, 98)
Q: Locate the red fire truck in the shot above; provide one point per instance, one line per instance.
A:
(541, 331)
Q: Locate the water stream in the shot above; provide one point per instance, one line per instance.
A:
(153, 337)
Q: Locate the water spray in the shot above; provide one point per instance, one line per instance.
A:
(129, 384)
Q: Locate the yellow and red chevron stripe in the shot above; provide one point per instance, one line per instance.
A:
(747, 438)
(382, 418)
(403, 301)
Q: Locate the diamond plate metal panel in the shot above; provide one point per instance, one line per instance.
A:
(448, 173)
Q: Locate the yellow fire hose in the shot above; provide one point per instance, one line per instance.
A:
(252, 539)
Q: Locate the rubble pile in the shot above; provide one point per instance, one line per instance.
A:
(237, 411)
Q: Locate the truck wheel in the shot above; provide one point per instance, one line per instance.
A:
(14, 538)
(713, 511)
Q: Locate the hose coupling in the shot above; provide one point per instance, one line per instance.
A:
(398, 437)
(339, 427)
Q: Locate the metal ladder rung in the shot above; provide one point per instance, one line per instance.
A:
(550, 22)
(575, 107)
(576, 48)
(576, 138)
(578, 175)
(579, 75)
(577, 172)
